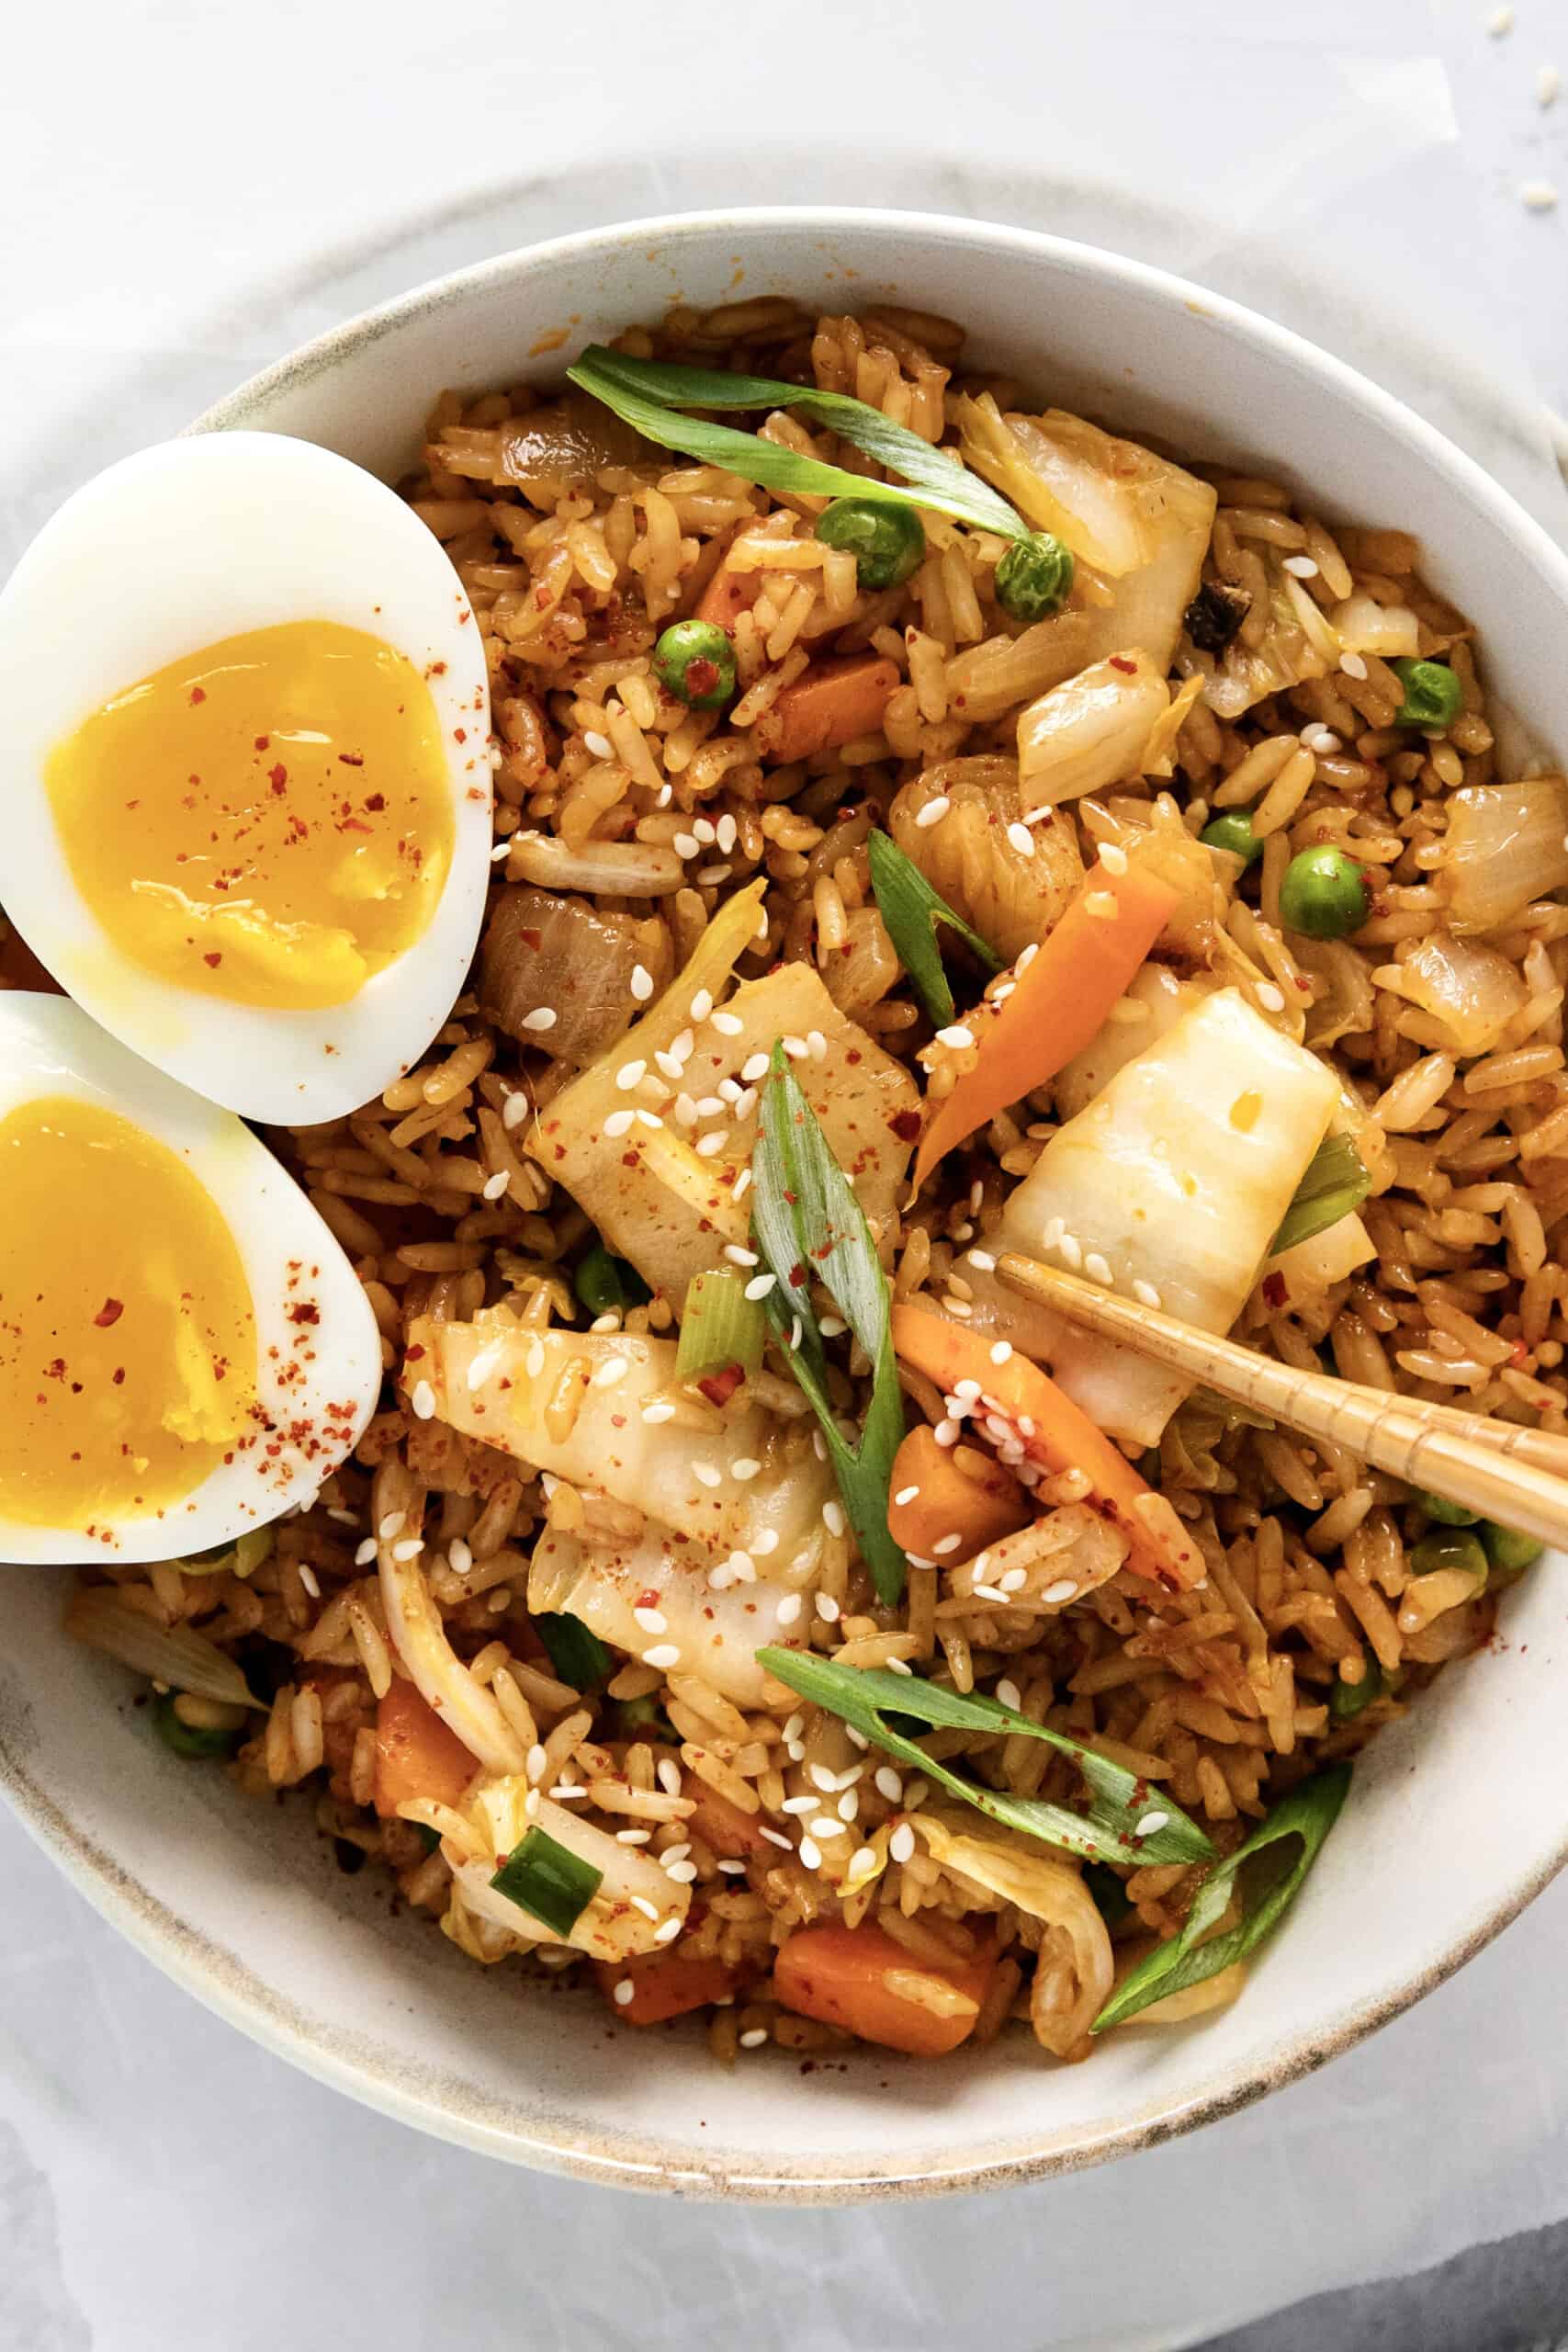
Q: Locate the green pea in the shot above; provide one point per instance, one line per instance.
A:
(189, 1740)
(887, 541)
(1234, 831)
(1451, 1547)
(1324, 894)
(1433, 694)
(1507, 1550)
(1035, 578)
(696, 662)
(1447, 1514)
(1348, 1700)
(603, 1282)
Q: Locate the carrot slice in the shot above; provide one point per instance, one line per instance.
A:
(1058, 1002)
(664, 1985)
(859, 1978)
(1057, 1434)
(829, 704)
(727, 596)
(416, 1754)
(959, 1491)
(721, 1824)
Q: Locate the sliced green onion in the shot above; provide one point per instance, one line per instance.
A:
(875, 1702)
(648, 393)
(1308, 1814)
(576, 1652)
(911, 910)
(551, 1884)
(719, 1325)
(603, 1282)
(189, 1740)
(806, 1220)
(1348, 1700)
(1335, 1182)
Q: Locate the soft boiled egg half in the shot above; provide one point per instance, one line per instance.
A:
(247, 780)
(185, 1352)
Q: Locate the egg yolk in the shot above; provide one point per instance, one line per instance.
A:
(267, 820)
(127, 1349)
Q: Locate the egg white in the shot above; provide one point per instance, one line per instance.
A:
(167, 552)
(49, 1046)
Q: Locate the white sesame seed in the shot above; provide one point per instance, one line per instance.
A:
(533, 1361)
(1014, 1581)
(542, 1017)
(569, 1791)
(796, 1049)
(741, 1256)
(1499, 22)
(765, 1541)
(983, 1262)
(494, 1186)
(1021, 839)
(1097, 1268)
(707, 1475)
(754, 1070)
(612, 1371)
(485, 1363)
(685, 845)
(888, 1783)
(863, 1859)
(652, 1620)
(799, 1805)
(754, 2035)
(708, 1147)
(1009, 1694)
(811, 1853)
(1538, 196)
(663, 1657)
(1269, 996)
(648, 1119)
(747, 1466)
(827, 1608)
(600, 745)
(458, 1556)
(906, 1494)
(899, 1666)
(365, 1553)
(759, 1285)
(1062, 1590)
(946, 1434)
(630, 1074)
(409, 1548)
(796, 1332)
(1353, 665)
(1022, 965)
(729, 1025)
(1000, 1351)
(934, 812)
(966, 1391)
(685, 1111)
(732, 1868)
(704, 830)
(536, 1762)
(901, 1845)
(789, 1609)
(833, 1518)
(826, 1826)
(820, 1778)
(391, 1525)
(1072, 1251)
(1149, 1824)
(774, 1837)
(658, 1411)
(423, 1401)
(1301, 566)
(618, 1123)
(531, 1804)
(728, 1091)
(1145, 1293)
(1547, 82)
(727, 832)
(817, 1045)
(990, 1592)
(946, 1544)
(679, 1873)
(624, 1992)
(669, 1931)
(641, 983)
(1114, 860)
(669, 1775)
(956, 1036)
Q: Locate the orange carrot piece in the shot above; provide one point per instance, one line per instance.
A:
(841, 1975)
(1058, 1001)
(416, 1754)
(1057, 1434)
(732, 1834)
(829, 704)
(664, 1985)
(960, 1491)
(727, 596)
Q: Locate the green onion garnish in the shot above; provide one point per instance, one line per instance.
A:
(719, 1325)
(552, 1885)
(1308, 1814)
(1335, 1182)
(874, 1701)
(576, 1654)
(912, 909)
(650, 393)
(606, 1283)
(806, 1221)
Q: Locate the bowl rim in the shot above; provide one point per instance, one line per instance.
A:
(222, 1981)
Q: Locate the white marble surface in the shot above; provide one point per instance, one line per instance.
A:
(192, 189)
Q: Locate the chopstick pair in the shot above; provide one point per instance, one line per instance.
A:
(1518, 1477)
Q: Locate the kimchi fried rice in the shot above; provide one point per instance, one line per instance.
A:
(534, 1599)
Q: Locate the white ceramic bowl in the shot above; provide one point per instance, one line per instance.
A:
(1456, 1817)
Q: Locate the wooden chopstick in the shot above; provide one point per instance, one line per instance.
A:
(1516, 1476)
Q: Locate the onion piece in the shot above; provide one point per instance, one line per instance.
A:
(172, 1654)
(1090, 731)
(1313, 1266)
(1363, 625)
(620, 869)
(970, 855)
(1507, 845)
(544, 953)
(717, 1632)
(1469, 990)
(442, 1679)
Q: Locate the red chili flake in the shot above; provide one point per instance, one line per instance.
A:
(198, 694)
(119, 1375)
(306, 1311)
(436, 669)
(54, 1371)
(702, 676)
(213, 957)
(629, 1159)
(412, 1355)
(278, 777)
(109, 1312)
(719, 1388)
(796, 1276)
(1275, 1290)
(459, 734)
(375, 802)
(352, 759)
(906, 1124)
(263, 742)
(531, 938)
(353, 825)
